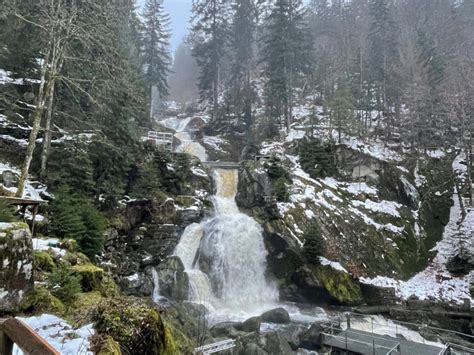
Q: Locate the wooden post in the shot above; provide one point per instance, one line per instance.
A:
(35, 211)
(6, 344)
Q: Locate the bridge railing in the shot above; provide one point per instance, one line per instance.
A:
(14, 331)
(346, 339)
(454, 349)
(397, 326)
(215, 347)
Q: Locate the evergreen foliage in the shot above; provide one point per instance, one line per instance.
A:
(317, 158)
(342, 108)
(210, 33)
(156, 36)
(314, 245)
(285, 56)
(281, 190)
(7, 212)
(64, 284)
(74, 216)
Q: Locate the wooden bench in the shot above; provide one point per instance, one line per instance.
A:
(14, 331)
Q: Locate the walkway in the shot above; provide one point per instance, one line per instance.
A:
(366, 343)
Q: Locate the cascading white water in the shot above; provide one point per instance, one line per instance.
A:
(231, 246)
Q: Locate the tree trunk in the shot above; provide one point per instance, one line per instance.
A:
(47, 134)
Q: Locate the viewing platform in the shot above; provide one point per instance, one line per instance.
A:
(221, 165)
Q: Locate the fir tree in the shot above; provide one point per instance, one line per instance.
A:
(242, 52)
(285, 56)
(314, 244)
(316, 157)
(341, 107)
(156, 46)
(210, 34)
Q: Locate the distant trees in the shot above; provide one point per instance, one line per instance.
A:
(156, 56)
(184, 75)
(210, 33)
(285, 56)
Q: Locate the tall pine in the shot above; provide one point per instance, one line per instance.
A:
(210, 34)
(285, 56)
(156, 54)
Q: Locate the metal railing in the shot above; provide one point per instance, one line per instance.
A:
(397, 325)
(14, 331)
(215, 347)
(454, 349)
(347, 337)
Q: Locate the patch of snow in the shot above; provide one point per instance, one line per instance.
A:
(436, 153)
(334, 264)
(60, 334)
(215, 143)
(387, 207)
(198, 171)
(48, 244)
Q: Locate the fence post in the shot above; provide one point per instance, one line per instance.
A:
(348, 319)
(373, 346)
(6, 344)
(372, 321)
(346, 341)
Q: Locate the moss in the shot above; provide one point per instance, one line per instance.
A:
(110, 347)
(70, 245)
(40, 300)
(137, 327)
(82, 309)
(339, 284)
(43, 261)
(75, 259)
(91, 276)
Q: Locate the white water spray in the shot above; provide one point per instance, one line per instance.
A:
(231, 246)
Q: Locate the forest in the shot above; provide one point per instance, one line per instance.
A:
(287, 155)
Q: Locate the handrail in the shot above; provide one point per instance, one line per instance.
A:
(411, 324)
(450, 346)
(14, 331)
(380, 346)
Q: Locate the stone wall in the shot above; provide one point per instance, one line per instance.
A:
(376, 296)
(16, 258)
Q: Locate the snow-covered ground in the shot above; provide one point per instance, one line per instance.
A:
(61, 335)
(48, 244)
(435, 282)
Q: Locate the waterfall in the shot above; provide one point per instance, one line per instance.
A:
(156, 285)
(230, 246)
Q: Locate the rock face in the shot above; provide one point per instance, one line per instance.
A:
(16, 257)
(173, 280)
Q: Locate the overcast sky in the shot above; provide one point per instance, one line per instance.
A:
(180, 12)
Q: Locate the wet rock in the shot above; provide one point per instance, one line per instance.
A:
(277, 315)
(137, 284)
(173, 280)
(225, 329)
(16, 258)
(9, 178)
(276, 344)
(250, 325)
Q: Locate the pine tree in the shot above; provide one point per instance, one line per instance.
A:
(383, 51)
(341, 107)
(285, 56)
(314, 245)
(156, 46)
(242, 44)
(210, 34)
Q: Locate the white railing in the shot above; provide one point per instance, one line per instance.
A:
(161, 138)
(215, 347)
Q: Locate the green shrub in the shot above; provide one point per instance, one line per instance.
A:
(75, 217)
(314, 244)
(7, 212)
(40, 300)
(42, 260)
(281, 190)
(317, 158)
(275, 169)
(64, 284)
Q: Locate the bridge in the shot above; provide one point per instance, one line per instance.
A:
(220, 165)
(356, 341)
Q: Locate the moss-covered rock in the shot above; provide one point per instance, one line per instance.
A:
(43, 261)
(339, 284)
(69, 244)
(40, 300)
(91, 276)
(75, 258)
(82, 310)
(137, 327)
(104, 345)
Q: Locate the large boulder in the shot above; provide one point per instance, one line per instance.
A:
(16, 258)
(277, 315)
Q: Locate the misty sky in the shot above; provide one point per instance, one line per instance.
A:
(180, 12)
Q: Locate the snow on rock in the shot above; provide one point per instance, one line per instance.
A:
(334, 264)
(48, 244)
(436, 153)
(215, 143)
(387, 207)
(198, 171)
(62, 336)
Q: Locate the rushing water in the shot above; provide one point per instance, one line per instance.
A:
(229, 248)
